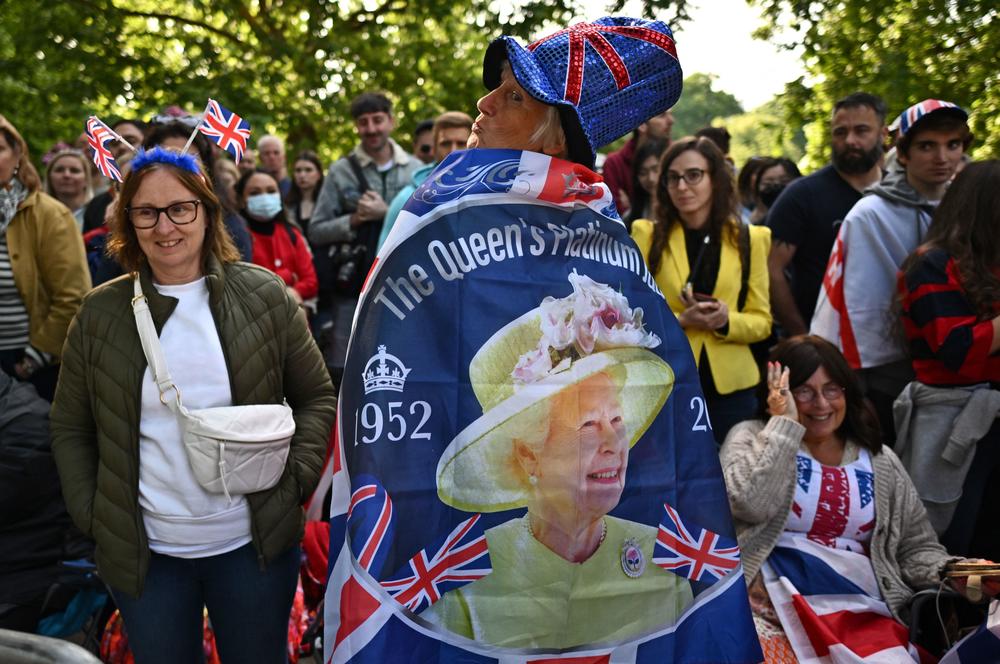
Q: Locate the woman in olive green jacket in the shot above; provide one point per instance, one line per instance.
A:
(231, 336)
(43, 268)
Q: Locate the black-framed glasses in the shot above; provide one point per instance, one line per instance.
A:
(179, 213)
(692, 176)
(807, 394)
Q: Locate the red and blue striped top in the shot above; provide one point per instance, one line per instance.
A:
(948, 345)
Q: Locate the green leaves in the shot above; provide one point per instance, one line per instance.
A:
(903, 51)
(700, 104)
(288, 66)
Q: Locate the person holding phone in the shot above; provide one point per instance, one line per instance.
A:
(712, 270)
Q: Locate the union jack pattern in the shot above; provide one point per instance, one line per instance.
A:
(370, 524)
(460, 558)
(581, 34)
(228, 130)
(834, 506)
(706, 556)
(98, 134)
(910, 116)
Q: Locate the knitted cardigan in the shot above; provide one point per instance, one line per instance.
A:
(758, 462)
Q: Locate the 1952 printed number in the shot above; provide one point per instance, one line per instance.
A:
(697, 403)
(393, 423)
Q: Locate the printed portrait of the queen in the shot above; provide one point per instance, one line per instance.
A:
(566, 389)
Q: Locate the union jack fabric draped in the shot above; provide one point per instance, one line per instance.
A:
(226, 129)
(370, 523)
(422, 572)
(98, 134)
(457, 559)
(693, 552)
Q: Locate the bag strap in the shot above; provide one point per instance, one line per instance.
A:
(363, 185)
(152, 349)
(744, 245)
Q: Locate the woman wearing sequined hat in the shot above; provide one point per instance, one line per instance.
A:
(574, 91)
(567, 389)
(231, 335)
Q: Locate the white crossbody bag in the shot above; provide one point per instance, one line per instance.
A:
(231, 449)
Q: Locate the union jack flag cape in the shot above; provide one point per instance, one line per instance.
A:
(489, 235)
(98, 134)
(832, 610)
(226, 129)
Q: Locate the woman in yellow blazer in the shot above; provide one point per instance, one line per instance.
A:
(713, 272)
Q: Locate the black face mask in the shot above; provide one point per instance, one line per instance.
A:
(769, 194)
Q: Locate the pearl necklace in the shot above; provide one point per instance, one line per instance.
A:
(531, 531)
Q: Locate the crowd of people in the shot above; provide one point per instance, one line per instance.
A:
(847, 321)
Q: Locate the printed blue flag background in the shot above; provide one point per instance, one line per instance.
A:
(509, 297)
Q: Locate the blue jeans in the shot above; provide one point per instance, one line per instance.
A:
(248, 607)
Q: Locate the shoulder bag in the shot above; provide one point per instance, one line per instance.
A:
(231, 449)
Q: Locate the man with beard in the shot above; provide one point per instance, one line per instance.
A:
(348, 218)
(880, 231)
(806, 216)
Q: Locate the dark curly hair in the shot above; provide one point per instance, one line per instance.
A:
(803, 355)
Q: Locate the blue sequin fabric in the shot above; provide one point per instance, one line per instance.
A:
(608, 77)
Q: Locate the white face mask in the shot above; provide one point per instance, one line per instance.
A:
(264, 206)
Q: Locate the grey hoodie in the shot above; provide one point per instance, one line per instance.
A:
(879, 232)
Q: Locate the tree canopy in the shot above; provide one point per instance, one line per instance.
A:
(288, 66)
(700, 103)
(902, 51)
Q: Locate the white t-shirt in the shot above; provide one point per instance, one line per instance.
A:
(181, 518)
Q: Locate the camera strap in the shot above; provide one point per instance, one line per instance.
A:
(359, 174)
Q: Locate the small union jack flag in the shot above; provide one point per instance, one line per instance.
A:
(457, 559)
(704, 556)
(228, 130)
(98, 134)
(370, 526)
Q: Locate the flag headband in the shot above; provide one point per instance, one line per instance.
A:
(160, 155)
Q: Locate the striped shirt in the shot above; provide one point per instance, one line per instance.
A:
(948, 346)
(13, 314)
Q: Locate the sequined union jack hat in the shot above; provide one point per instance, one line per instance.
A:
(606, 77)
(909, 118)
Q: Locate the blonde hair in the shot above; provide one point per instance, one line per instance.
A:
(26, 172)
(550, 131)
(84, 163)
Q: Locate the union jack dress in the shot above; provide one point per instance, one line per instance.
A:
(823, 603)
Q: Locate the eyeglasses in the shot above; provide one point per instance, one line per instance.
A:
(180, 213)
(692, 176)
(808, 394)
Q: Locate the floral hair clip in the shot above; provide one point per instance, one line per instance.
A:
(160, 155)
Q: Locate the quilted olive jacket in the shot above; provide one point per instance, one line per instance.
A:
(95, 415)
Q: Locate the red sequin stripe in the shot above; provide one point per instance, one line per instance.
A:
(645, 34)
(611, 58)
(574, 74)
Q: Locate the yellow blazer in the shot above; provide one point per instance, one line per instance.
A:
(729, 357)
